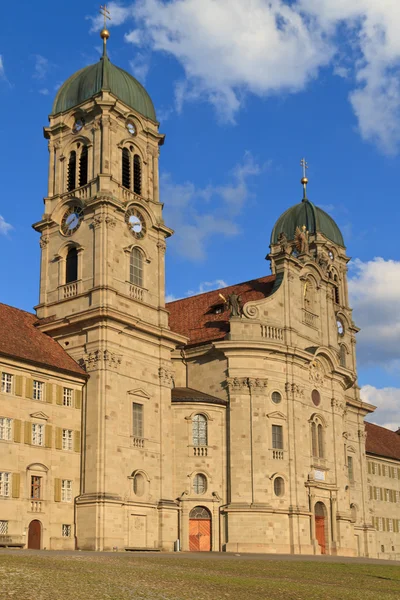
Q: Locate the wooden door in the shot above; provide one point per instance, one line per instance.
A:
(200, 535)
(320, 533)
(34, 535)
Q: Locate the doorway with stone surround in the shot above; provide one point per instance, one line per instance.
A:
(321, 528)
(200, 529)
(35, 535)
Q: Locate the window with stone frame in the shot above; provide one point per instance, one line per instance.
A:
(137, 420)
(38, 390)
(277, 437)
(66, 531)
(317, 438)
(67, 435)
(6, 383)
(342, 355)
(199, 484)
(3, 527)
(37, 434)
(5, 482)
(36, 487)
(136, 267)
(350, 469)
(6, 429)
(199, 430)
(66, 490)
(68, 396)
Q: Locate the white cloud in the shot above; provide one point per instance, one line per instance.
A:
(204, 286)
(119, 14)
(140, 66)
(387, 401)
(44, 92)
(198, 214)
(4, 226)
(2, 70)
(41, 67)
(374, 288)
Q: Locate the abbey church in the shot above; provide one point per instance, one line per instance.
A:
(227, 421)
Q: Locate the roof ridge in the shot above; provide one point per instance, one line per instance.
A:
(19, 309)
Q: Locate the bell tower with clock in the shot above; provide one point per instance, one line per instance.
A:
(102, 297)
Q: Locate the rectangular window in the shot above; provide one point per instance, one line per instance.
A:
(5, 428)
(380, 524)
(5, 479)
(6, 383)
(277, 437)
(67, 397)
(66, 531)
(397, 496)
(384, 470)
(137, 414)
(37, 434)
(66, 490)
(38, 389)
(36, 487)
(350, 468)
(373, 468)
(3, 527)
(67, 439)
(390, 524)
(387, 495)
(378, 493)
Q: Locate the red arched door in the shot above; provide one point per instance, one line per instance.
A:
(199, 530)
(320, 526)
(34, 535)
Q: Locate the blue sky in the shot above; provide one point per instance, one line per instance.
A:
(243, 91)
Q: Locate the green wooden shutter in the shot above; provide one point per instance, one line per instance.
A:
(58, 438)
(59, 396)
(15, 485)
(49, 393)
(78, 399)
(19, 380)
(29, 388)
(17, 431)
(48, 436)
(77, 441)
(57, 490)
(369, 467)
(28, 432)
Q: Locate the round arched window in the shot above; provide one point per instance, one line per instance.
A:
(138, 484)
(279, 486)
(200, 484)
(316, 397)
(276, 397)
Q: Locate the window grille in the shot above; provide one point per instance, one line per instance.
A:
(5, 428)
(200, 513)
(199, 430)
(36, 487)
(66, 490)
(277, 437)
(37, 434)
(137, 414)
(83, 166)
(67, 439)
(137, 175)
(350, 468)
(378, 493)
(276, 397)
(391, 525)
(71, 270)
(6, 383)
(66, 531)
(3, 527)
(380, 524)
(126, 169)
(5, 479)
(67, 397)
(317, 439)
(136, 267)
(199, 484)
(279, 486)
(71, 184)
(38, 390)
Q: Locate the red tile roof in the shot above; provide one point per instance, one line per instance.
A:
(382, 441)
(195, 317)
(20, 339)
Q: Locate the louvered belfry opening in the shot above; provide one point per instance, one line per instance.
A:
(83, 167)
(71, 267)
(137, 175)
(126, 169)
(72, 171)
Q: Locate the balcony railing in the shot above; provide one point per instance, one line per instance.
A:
(135, 292)
(200, 451)
(69, 290)
(138, 442)
(36, 506)
(309, 318)
(277, 454)
(272, 333)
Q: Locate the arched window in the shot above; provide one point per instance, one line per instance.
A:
(136, 267)
(126, 169)
(71, 184)
(317, 438)
(309, 296)
(342, 356)
(200, 484)
(137, 175)
(71, 267)
(83, 167)
(199, 430)
(279, 486)
(138, 484)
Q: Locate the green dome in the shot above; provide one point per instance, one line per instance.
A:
(314, 218)
(104, 76)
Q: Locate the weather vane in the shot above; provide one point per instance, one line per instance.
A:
(104, 33)
(304, 179)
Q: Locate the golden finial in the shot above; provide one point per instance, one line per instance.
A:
(104, 33)
(304, 179)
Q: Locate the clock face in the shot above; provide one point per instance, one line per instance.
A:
(340, 327)
(136, 223)
(131, 128)
(78, 125)
(71, 220)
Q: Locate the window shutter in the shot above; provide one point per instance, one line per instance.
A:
(78, 399)
(382, 496)
(18, 385)
(28, 432)
(29, 388)
(374, 493)
(371, 492)
(59, 397)
(57, 490)
(379, 469)
(384, 523)
(48, 436)
(15, 485)
(77, 441)
(396, 525)
(49, 393)
(369, 468)
(58, 438)
(17, 430)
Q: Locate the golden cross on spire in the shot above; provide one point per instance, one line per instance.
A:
(304, 179)
(106, 14)
(104, 33)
